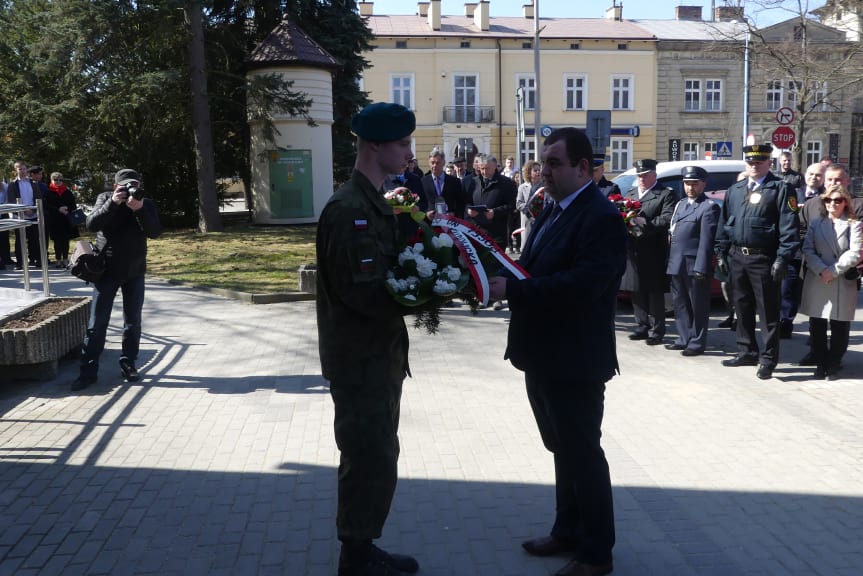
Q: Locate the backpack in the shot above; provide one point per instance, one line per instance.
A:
(86, 263)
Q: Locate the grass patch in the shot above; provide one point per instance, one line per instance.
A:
(254, 259)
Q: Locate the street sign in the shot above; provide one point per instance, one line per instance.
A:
(598, 128)
(674, 149)
(785, 115)
(724, 150)
(783, 137)
(545, 131)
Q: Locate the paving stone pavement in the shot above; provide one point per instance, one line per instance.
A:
(222, 459)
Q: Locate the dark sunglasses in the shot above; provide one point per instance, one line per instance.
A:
(834, 200)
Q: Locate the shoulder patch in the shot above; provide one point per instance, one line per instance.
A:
(792, 203)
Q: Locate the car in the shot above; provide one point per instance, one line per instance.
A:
(720, 175)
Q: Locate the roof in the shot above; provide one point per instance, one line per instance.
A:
(693, 29)
(507, 27)
(289, 45)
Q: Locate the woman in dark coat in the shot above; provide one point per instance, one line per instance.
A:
(59, 203)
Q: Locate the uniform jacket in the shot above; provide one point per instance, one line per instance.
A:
(563, 315)
(498, 194)
(125, 234)
(357, 244)
(451, 192)
(767, 219)
(837, 246)
(692, 237)
(607, 187)
(647, 255)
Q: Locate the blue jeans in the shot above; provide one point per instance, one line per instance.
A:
(104, 292)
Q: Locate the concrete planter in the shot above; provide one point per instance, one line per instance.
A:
(32, 353)
(308, 278)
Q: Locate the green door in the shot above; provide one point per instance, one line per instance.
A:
(291, 189)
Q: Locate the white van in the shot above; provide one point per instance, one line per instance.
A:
(720, 175)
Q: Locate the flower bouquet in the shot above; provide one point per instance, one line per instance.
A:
(536, 203)
(630, 211)
(403, 201)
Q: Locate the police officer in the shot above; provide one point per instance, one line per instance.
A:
(690, 262)
(647, 254)
(605, 186)
(363, 341)
(758, 235)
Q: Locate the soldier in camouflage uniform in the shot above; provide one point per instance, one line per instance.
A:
(362, 337)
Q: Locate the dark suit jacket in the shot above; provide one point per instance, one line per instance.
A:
(647, 255)
(12, 192)
(498, 194)
(691, 250)
(562, 318)
(451, 192)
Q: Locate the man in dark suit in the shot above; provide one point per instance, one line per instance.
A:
(27, 191)
(561, 334)
(492, 201)
(690, 262)
(757, 236)
(647, 254)
(440, 190)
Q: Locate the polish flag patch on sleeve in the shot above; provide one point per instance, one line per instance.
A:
(361, 224)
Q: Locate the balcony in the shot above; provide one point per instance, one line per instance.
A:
(468, 114)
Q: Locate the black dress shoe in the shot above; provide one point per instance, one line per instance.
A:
(638, 336)
(808, 360)
(576, 568)
(675, 347)
(654, 341)
(401, 562)
(691, 352)
(128, 370)
(82, 382)
(820, 373)
(727, 323)
(375, 562)
(740, 361)
(764, 372)
(548, 546)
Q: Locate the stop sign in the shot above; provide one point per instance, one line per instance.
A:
(783, 137)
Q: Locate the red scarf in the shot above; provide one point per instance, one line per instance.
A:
(59, 189)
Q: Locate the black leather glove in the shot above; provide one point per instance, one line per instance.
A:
(700, 278)
(779, 271)
(722, 266)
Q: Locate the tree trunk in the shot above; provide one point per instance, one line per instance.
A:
(208, 201)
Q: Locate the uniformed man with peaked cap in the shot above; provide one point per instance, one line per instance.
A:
(605, 186)
(362, 338)
(757, 237)
(690, 262)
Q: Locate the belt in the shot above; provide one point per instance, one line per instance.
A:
(747, 251)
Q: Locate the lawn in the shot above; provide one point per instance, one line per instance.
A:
(254, 259)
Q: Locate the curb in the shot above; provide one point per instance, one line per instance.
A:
(248, 297)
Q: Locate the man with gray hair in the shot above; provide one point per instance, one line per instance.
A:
(441, 192)
(492, 200)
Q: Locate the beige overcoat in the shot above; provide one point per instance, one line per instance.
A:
(837, 245)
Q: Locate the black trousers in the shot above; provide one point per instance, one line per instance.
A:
(649, 305)
(829, 356)
(691, 310)
(754, 290)
(792, 290)
(569, 414)
(366, 425)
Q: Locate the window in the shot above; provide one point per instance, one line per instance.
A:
(774, 95)
(623, 46)
(465, 97)
(465, 44)
(702, 95)
(526, 150)
(713, 95)
(527, 45)
(621, 92)
(575, 92)
(819, 97)
(813, 152)
(401, 43)
(621, 154)
(692, 95)
(528, 82)
(575, 46)
(690, 151)
(792, 93)
(402, 90)
(710, 147)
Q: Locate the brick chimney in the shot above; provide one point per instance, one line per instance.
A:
(688, 13)
(480, 16)
(729, 13)
(366, 8)
(434, 14)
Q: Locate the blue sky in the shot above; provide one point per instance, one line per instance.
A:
(632, 9)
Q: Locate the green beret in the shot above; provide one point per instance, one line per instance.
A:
(383, 122)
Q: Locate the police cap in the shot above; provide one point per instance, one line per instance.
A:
(383, 122)
(694, 173)
(757, 152)
(599, 159)
(645, 166)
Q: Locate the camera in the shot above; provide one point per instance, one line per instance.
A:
(135, 192)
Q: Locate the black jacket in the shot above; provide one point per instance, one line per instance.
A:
(125, 234)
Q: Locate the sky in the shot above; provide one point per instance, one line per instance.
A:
(632, 9)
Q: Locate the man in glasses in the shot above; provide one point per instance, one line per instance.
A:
(757, 237)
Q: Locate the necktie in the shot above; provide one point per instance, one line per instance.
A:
(437, 184)
(552, 218)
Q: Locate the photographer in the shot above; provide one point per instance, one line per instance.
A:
(123, 220)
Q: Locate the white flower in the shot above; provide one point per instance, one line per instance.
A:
(410, 297)
(442, 241)
(450, 273)
(405, 255)
(425, 267)
(419, 247)
(394, 284)
(443, 288)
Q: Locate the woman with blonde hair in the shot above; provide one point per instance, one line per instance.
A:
(831, 250)
(531, 180)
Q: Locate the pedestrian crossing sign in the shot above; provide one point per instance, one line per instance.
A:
(724, 150)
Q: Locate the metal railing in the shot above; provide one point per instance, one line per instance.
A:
(468, 114)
